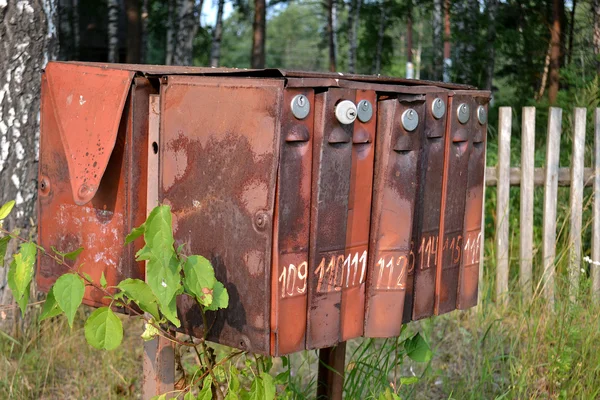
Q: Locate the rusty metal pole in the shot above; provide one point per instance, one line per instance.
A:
(159, 353)
(330, 382)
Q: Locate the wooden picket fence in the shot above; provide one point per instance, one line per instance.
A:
(550, 177)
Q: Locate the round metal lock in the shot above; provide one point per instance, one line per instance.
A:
(481, 115)
(410, 120)
(463, 113)
(345, 112)
(300, 106)
(365, 111)
(438, 108)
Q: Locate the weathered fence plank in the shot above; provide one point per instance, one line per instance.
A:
(503, 199)
(576, 200)
(527, 188)
(595, 269)
(539, 176)
(550, 196)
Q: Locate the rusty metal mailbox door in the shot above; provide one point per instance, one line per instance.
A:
(330, 206)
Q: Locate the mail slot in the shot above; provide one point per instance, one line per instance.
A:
(323, 201)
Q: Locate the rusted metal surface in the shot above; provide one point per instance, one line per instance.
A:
(289, 288)
(332, 162)
(420, 294)
(359, 221)
(394, 195)
(101, 225)
(469, 268)
(454, 186)
(219, 152)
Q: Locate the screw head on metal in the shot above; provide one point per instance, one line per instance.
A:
(365, 111)
(345, 112)
(463, 113)
(300, 106)
(410, 120)
(438, 108)
(481, 115)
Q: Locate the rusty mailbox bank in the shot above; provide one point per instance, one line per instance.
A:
(331, 206)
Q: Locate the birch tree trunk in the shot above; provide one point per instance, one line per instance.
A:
(29, 39)
(171, 29)
(259, 28)
(215, 52)
(186, 32)
(492, 7)
(447, 65)
(553, 81)
(65, 30)
(380, 34)
(134, 31)
(410, 68)
(438, 49)
(331, 19)
(353, 23)
(113, 31)
(144, 33)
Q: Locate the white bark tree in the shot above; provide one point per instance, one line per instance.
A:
(188, 23)
(215, 52)
(28, 40)
(113, 31)
(353, 23)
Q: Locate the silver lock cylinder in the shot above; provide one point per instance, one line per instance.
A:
(463, 113)
(438, 108)
(300, 106)
(410, 120)
(365, 111)
(481, 115)
(345, 112)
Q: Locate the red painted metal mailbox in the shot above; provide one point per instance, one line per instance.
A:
(331, 206)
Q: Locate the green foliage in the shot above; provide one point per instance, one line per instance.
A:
(141, 294)
(6, 209)
(199, 279)
(417, 348)
(103, 329)
(68, 291)
(20, 274)
(51, 307)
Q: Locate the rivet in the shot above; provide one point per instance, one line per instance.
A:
(410, 120)
(260, 220)
(463, 113)
(300, 106)
(481, 115)
(365, 111)
(44, 185)
(438, 108)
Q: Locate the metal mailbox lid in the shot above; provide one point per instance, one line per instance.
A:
(219, 152)
(420, 295)
(332, 162)
(289, 277)
(394, 193)
(454, 187)
(101, 225)
(469, 268)
(359, 216)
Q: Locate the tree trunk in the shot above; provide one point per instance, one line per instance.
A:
(144, 33)
(419, 50)
(410, 69)
(447, 58)
(134, 31)
(555, 52)
(596, 32)
(75, 28)
(186, 32)
(492, 7)
(353, 23)
(171, 30)
(571, 29)
(259, 28)
(215, 52)
(380, 35)
(113, 31)
(331, 34)
(29, 32)
(438, 50)
(65, 31)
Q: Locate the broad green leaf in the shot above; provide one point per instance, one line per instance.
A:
(135, 233)
(72, 255)
(24, 264)
(6, 209)
(388, 395)
(199, 279)
(3, 246)
(234, 380)
(139, 292)
(231, 395)
(268, 386)
(160, 397)
(418, 349)
(87, 276)
(189, 396)
(50, 308)
(409, 380)
(170, 312)
(257, 391)
(206, 391)
(163, 268)
(103, 329)
(282, 378)
(103, 280)
(68, 292)
(23, 301)
(150, 332)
